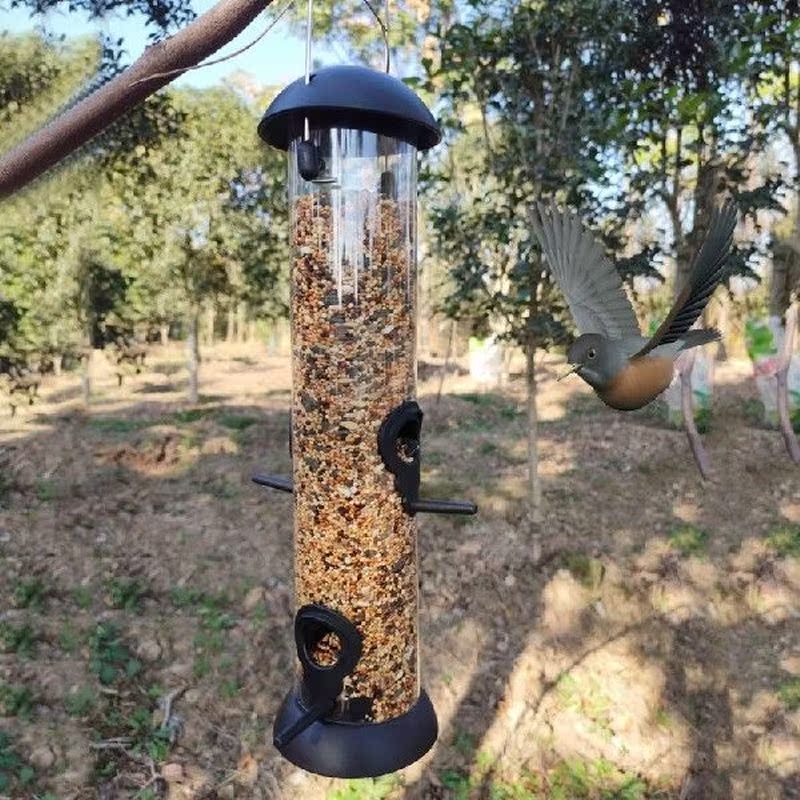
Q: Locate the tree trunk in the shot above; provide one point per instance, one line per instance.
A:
(505, 371)
(160, 64)
(164, 333)
(451, 345)
(722, 323)
(784, 419)
(230, 326)
(86, 375)
(211, 319)
(534, 484)
(193, 356)
(58, 363)
(241, 322)
(272, 338)
(687, 408)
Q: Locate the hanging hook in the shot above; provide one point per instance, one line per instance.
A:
(384, 26)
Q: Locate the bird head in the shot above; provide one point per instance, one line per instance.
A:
(596, 359)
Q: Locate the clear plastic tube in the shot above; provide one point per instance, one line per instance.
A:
(353, 345)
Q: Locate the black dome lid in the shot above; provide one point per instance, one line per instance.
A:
(349, 97)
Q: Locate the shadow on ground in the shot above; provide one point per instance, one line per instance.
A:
(654, 652)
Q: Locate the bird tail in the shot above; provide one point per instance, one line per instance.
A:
(695, 338)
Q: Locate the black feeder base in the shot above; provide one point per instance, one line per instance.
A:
(358, 750)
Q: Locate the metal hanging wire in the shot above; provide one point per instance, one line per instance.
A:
(384, 26)
(220, 60)
(309, 29)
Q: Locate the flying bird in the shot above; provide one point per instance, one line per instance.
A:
(625, 369)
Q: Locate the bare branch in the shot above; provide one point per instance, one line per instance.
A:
(157, 66)
(792, 445)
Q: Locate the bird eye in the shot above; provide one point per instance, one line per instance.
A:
(591, 352)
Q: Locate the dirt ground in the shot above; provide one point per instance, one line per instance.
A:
(145, 631)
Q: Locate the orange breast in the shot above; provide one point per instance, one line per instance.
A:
(642, 380)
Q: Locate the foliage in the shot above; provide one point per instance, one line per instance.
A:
(367, 789)
(157, 218)
(569, 780)
(525, 117)
(161, 14)
(20, 639)
(14, 772)
(125, 593)
(30, 593)
(111, 660)
(81, 702)
(685, 131)
(789, 694)
(689, 540)
(785, 541)
(16, 701)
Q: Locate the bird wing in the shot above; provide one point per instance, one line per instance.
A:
(707, 271)
(589, 281)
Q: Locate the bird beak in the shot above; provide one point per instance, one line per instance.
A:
(573, 368)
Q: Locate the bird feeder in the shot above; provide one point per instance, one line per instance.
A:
(352, 136)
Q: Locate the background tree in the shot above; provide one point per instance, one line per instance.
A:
(771, 43)
(178, 215)
(528, 80)
(210, 227)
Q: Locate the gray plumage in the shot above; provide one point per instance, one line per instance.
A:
(591, 284)
(707, 271)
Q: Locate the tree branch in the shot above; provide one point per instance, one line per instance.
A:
(79, 124)
(792, 445)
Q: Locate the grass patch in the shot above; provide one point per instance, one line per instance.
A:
(789, 694)
(494, 410)
(185, 596)
(30, 593)
(119, 426)
(125, 593)
(587, 780)
(588, 700)
(46, 490)
(237, 422)
(464, 744)
(190, 415)
(213, 623)
(81, 702)
(19, 639)
(689, 540)
(223, 488)
(147, 739)
(16, 701)
(6, 487)
(702, 420)
(586, 570)
(230, 688)
(111, 660)
(82, 596)
(570, 780)
(133, 722)
(15, 773)
(785, 541)
(69, 638)
(367, 789)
